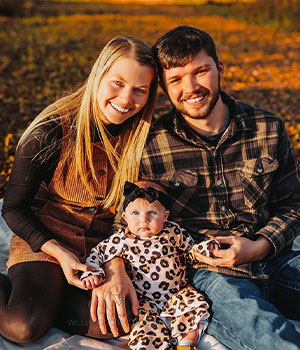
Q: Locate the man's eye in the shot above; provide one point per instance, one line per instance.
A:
(117, 82)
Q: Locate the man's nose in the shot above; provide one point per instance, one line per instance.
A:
(190, 85)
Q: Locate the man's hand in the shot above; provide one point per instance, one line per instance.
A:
(110, 297)
(240, 251)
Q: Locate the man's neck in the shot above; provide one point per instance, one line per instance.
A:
(214, 123)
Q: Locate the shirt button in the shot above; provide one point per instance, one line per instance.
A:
(246, 229)
(176, 183)
(101, 172)
(224, 208)
(219, 182)
(259, 170)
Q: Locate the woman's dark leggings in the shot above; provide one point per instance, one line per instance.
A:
(36, 296)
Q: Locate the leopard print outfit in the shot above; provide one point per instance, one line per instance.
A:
(157, 267)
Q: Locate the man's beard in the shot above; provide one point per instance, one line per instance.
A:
(205, 110)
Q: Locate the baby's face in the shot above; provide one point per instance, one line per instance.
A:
(145, 219)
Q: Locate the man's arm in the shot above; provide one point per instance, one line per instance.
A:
(283, 225)
(284, 206)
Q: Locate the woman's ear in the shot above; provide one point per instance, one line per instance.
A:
(124, 215)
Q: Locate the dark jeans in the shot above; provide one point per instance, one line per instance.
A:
(245, 313)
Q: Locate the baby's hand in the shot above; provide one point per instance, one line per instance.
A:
(92, 281)
(207, 248)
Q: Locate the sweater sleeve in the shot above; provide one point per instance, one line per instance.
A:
(105, 251)
(28, 172)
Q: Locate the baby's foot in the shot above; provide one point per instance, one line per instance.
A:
(186, 347)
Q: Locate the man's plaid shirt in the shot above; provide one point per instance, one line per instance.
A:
(248, 185)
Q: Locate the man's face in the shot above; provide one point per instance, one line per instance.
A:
(194, 88)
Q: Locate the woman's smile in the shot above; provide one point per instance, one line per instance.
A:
(119, 108)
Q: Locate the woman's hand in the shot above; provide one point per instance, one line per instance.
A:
(110, 297)
(69, 263)
(240, 250)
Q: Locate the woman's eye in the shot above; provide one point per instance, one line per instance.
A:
(140, 91)
(117, 82)
(174, 81)
(135, 212)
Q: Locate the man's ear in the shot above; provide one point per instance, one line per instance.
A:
(221, 68)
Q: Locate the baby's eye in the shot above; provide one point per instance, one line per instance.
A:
(152, 212)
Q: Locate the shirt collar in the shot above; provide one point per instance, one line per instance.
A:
(239, 119)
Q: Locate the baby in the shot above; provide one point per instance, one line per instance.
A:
(155, 251)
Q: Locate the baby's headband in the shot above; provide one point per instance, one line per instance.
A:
(132, 192)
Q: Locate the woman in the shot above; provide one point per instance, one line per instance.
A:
(70, 167)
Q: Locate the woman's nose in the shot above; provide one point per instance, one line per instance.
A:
(126, 95)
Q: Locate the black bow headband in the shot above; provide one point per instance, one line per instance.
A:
(132, 192)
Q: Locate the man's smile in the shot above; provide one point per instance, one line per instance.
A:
(195, 100)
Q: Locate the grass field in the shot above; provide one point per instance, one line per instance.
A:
(53, 47)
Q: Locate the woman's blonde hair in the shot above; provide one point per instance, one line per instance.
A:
(81, 113)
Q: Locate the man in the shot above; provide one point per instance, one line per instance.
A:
(232, 174)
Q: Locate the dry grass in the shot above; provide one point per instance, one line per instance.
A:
(43, 56)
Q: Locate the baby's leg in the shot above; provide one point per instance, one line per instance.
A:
(186, 314)
(149, 332)
(190, 337)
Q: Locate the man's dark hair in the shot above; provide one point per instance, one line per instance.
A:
(180, 46)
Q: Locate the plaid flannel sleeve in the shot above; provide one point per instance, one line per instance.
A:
(284, 220)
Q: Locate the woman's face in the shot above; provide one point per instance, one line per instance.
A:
(124, 90)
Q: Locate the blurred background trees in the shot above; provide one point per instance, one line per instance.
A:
(48, 47)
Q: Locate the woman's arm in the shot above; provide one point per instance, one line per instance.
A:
(26, 177)
(69, 263)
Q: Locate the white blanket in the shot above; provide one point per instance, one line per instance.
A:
(58, 340)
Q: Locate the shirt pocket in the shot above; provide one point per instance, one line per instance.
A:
(177, 180)
(256, 176)
(181, 187)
